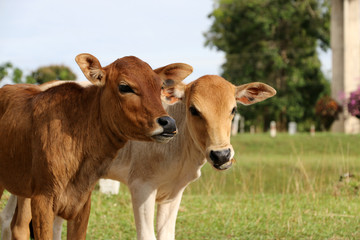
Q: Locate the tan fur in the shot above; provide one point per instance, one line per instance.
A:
(55, 144)
(160, 173)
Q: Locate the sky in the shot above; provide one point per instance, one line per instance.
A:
(42, 32)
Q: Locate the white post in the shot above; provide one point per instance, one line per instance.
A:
(242, 124)
(252, 129)
(273, 129)
(292, 128)
(312, 130)
(235, 124)
(109, 186)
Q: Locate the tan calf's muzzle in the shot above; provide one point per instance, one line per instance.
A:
(168, 131)
(221, 159)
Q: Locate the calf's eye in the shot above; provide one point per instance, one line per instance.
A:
(124, 88)
(233, 111)
(194, 111)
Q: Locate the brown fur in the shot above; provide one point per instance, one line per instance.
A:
(55, 144)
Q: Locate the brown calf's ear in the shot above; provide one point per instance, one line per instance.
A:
(91, 68)
(172, 75)
(251, 93)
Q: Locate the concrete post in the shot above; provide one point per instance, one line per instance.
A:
(109, 186)
(345, 44)
(242, 124)
(273, 129)
(235, 125)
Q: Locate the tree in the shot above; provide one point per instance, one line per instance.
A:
(274, 41)
(41, 75)
(52, 72)
(4, 70)
(14, 73)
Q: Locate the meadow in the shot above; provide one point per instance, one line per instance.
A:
(288, 187)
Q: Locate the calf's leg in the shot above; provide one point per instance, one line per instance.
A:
(21, 219)
(143, 197)
(43, 217)
(1, 190)
(7, 214)
(5, 218)
(57, 228)
(76, 228)
(166, 218)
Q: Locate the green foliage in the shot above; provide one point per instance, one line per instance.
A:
(52, 72)
(41, 75)
(274, 41)
(4, 70)
(17, 75)
(14, 73)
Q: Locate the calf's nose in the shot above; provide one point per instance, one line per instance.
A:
(220, 157)
(167, 123)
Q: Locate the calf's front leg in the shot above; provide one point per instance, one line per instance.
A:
(1, 190)
(21, 219)
(43, 216)
(7, 214)
(143, 197)
(57, 228)
(166, 218)
(5, 218)
(76, 228)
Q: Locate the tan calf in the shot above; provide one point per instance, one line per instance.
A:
(160, 173)
(55, 144)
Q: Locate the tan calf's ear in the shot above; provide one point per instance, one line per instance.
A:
(91, 68)
(172, 75)
(176, 71)
(251, 93)
(171, 92)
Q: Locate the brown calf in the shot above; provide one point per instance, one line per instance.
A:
(55, 144)
(160, 172)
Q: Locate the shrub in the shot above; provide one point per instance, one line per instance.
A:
(327, 109)
(354, 103)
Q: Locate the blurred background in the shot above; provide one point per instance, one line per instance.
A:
(283, 43)
(41, 33)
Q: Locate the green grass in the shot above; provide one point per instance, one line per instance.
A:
(286, 164)
(282, 188)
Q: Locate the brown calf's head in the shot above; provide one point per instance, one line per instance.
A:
(211, 105)
(130, 101)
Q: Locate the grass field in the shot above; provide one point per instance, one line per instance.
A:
(282, 188)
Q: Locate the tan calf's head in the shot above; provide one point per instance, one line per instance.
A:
(211, 105)
(130, 96)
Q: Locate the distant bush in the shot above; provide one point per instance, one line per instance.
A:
(354, 103)
(52, 72)
(327, 109)
(39, 76)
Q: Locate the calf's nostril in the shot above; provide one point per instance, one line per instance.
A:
(228, 153)
(167, 123)
(220, 157)
(213, 156)
(163, 121)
